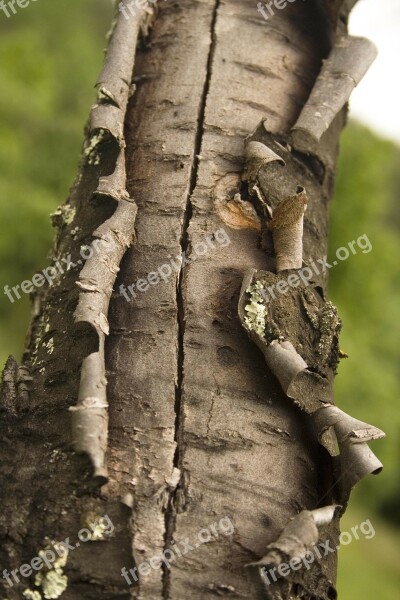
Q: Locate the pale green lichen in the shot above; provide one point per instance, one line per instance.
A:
(256, 309)
(104, 95)
(50, 346)
(91, 150)
(32, 595)
(99, 530)
(259, 319)
(329, 328)
(64, 215)
(44, 321)
(62, 553)
(311, 307)
(53, 581)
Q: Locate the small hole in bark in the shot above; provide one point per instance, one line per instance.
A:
(266, 520)
(297, 590)
(244, 191)
(331, 593)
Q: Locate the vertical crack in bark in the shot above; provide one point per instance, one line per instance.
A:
(184, 243)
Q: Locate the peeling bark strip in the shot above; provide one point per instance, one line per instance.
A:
(356, 460)
(287, 231)
(304, 359)
(97, 278)
(305, 363)
(299, 536)
(342, 71)
(296, 547)
(285, 215)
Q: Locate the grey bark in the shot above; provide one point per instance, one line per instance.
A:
(199, 429)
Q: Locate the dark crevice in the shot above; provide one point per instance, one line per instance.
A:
(170, 515)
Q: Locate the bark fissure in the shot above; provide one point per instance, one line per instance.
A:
(180, 301)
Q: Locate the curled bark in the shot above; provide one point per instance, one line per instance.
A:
(257, 156)
(305, 364)
(356, 459)
(287, 231)
(284, 213)
(116, 235)
(96, 280)
(299, 536)
(304, 360)
(341, 72)
(292, 566)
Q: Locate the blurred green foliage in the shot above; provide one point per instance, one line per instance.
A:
(368, 568)
(366, 289)
(50, 55)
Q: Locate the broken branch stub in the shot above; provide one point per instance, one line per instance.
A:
(341, 72)
(278, 341)
(115, 236)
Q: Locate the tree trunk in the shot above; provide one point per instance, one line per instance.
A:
(202, 438)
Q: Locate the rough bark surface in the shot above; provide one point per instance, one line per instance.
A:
(199, 429)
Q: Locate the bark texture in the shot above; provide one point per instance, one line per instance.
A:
(199, 429)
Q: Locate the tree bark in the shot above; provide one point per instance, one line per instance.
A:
(199, 428)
